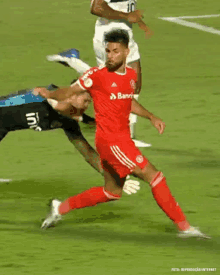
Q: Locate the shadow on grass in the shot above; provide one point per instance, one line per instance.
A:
(163, 236)
(138, 238)
(200, 164)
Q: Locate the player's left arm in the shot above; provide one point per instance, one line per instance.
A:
(139, 110)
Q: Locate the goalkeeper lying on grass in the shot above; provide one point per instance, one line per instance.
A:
(24, 110)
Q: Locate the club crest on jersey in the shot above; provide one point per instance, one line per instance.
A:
(139, 159)
(120, 96)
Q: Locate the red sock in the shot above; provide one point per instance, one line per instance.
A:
(167, 202)
(90, 197)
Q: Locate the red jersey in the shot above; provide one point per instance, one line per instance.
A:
(112, 94)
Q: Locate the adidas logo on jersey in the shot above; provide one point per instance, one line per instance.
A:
(120, 96)
(114, 84)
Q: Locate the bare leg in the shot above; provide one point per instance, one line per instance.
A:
(147, 173)
(113, 183)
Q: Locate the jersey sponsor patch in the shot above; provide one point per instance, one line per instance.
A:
(113, 96)
(88, 82)
(120, 96)
(33, 121)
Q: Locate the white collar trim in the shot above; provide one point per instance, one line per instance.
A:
(122, 73)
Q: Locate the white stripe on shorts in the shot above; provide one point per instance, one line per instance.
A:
(122, 157)
(131, 162)
(118, 157)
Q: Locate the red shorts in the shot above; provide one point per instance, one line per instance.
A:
(123, 156)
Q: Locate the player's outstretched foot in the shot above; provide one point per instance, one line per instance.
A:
(65, 57)
(54, 216)
(192, 232)
(59, 56)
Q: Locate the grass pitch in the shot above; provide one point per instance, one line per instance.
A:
(132, 236)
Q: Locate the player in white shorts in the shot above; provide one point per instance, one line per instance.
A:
(104, 25)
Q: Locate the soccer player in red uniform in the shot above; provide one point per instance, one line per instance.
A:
(112, 88)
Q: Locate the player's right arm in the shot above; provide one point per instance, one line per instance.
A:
(71, 101)
(102, 9)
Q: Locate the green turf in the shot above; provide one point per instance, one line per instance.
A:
(131, 236)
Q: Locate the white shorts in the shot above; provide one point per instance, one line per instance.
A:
(99, 49)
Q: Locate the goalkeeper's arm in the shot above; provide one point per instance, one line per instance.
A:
(85, 149)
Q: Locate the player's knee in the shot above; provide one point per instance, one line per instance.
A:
(147, 173)
(138, 172)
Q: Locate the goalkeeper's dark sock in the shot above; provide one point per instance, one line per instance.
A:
(90, 197)
(167, 202)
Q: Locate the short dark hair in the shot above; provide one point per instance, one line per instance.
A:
(117, 36)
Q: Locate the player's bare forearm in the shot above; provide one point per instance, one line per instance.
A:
(102, 9)
(60, 94)
(139, 110)
(84, 148)
(74, 95)
(148, 32)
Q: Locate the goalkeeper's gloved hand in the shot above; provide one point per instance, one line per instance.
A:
(131, 186)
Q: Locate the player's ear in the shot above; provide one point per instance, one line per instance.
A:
(127, 51)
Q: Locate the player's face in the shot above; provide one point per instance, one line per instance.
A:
(81, 101)
(116, 54)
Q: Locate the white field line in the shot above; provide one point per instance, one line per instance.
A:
(198, 16)
(5, 180)
(192, 24)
